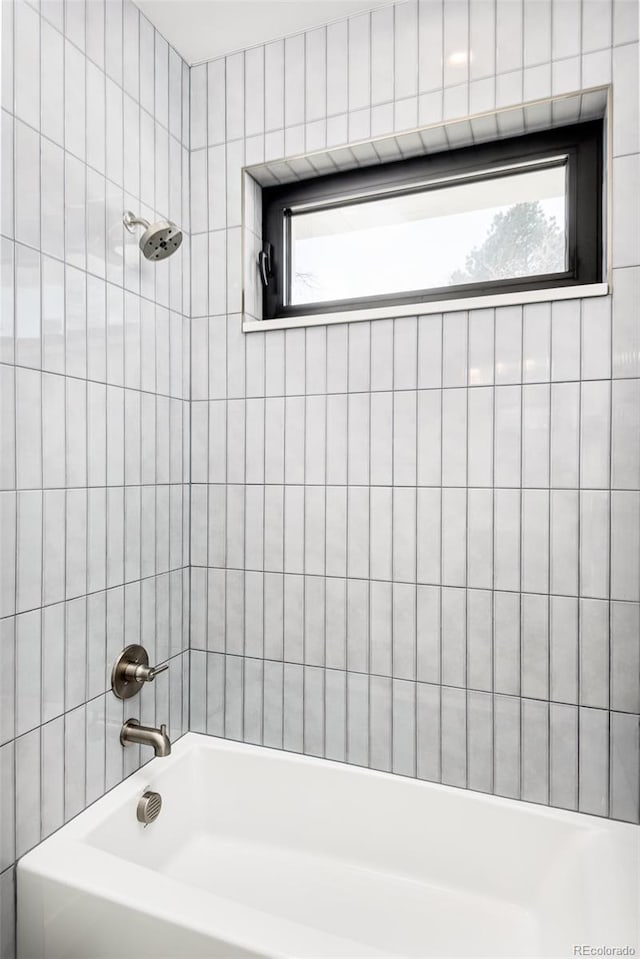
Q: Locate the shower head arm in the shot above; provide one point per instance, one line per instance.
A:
(159, 240)
(131, 221)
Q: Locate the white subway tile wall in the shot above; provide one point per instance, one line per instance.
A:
(415, 542)
(94, 406)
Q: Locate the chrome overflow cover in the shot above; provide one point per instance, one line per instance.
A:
(149, 806)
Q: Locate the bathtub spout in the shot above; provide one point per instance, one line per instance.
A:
(133, 732)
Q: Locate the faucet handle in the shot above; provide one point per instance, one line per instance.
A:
(156, 670)
(142, 673)
(131, 671)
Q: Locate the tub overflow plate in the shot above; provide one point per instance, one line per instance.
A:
(149, 806)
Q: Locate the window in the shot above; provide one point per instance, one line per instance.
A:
(518, 214)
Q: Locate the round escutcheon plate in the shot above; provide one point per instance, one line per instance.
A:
(123, 679)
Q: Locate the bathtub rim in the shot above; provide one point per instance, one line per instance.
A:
(86, 820)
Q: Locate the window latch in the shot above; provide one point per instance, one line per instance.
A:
(264, 264)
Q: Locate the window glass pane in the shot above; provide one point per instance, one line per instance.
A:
(478, 230)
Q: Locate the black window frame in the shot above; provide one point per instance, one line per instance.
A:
(582, 143)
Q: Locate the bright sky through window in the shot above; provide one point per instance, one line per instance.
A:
(506, 226)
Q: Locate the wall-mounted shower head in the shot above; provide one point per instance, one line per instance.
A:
(159, 240)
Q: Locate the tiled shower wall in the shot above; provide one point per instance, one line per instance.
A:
(416, 543)
(94, 365)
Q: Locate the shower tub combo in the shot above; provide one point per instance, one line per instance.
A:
(262, 853)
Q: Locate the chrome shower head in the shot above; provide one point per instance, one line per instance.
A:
(159, 240)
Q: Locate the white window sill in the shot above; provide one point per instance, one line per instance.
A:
(252, 325)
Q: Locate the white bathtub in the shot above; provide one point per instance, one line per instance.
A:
(262, 853)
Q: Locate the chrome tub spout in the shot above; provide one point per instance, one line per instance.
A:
(133, 732)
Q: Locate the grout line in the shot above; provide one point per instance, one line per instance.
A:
(549, 590)
(14, 762)
(492, 657)
(514, 697)
(521, 542)
(86, 425)
(415, 595)
(173, 397)
(369, 449)
(465, 663)
(303, 338)
(264, 510)
(440, 633)
(280, 572)
(579, 608)
(43, 510)
(66, 430)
